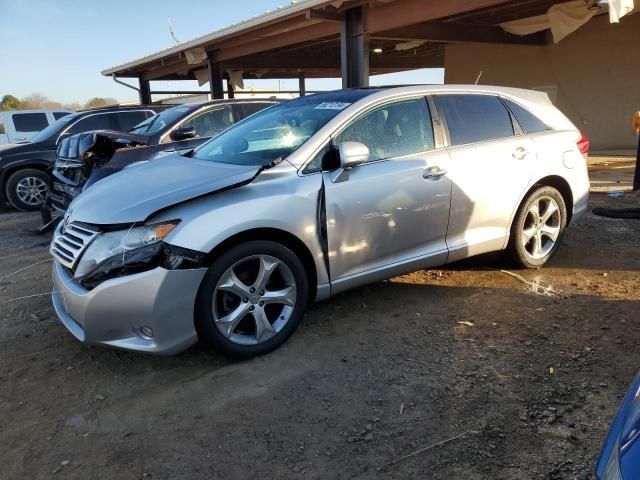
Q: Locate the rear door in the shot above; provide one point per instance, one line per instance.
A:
(491, 165)
(26, 125)
(391, 214)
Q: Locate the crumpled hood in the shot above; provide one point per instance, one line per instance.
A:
(135, 193)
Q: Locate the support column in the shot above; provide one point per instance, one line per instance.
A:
(230, 90)
(354, 49)
(215, 77)
(302, 88)
(145, 91)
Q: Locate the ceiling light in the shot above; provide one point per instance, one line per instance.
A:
(377, 50)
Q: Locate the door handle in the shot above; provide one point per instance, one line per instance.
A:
(433, 173)
(520, 153)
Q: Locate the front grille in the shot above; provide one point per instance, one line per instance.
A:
(70, 242)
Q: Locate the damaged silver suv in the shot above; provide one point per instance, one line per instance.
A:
(230, 242)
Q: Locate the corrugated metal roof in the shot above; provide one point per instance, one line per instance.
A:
(259, 20)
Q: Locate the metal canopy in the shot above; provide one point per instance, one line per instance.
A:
(335, 38)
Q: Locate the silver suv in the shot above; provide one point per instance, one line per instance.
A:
(306, 199)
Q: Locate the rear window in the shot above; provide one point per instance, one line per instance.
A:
(59, 115)
(474, 118)
(29, 122)
(527, 120)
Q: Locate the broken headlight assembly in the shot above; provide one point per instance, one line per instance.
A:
(122, 250)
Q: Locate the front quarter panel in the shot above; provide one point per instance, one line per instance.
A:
(278, 199)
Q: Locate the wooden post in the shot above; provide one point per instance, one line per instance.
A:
(215, 77)
(145, 91)
(301, 84)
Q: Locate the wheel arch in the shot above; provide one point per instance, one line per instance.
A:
(559, 184)
(276, 235)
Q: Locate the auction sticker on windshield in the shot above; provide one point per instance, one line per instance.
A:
(331, 106)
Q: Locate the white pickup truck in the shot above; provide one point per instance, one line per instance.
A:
(19, 126)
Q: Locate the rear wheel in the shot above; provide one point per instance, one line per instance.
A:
(251, 300)
(538, 228)
(27, 189)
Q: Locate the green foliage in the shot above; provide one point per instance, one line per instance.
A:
(9, 102)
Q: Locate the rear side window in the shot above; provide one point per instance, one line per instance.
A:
(100, 121)
(59, 115)
(393, 130)
(527, 120)
(125, 121)
(474, 118)
(210, 122)
(251, 108)
(30, 122)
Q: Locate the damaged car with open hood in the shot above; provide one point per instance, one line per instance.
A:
(86, 158)
(229, 243)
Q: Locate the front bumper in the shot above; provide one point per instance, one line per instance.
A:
(113, 313)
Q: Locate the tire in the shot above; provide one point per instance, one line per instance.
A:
(228, 311)
(27, 189)
(535, 239)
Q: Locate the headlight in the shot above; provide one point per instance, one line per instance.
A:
(113, 249)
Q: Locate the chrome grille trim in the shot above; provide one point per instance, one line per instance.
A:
(70, 241)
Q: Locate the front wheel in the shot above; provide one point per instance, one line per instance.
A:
(251, 299)
(27, 189)
(537, 230)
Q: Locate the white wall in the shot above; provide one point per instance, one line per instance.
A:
(594, 73)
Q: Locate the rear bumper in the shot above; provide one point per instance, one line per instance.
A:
(113, 313)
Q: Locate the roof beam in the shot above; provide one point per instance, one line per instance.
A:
(390, 16)
(449, 32)
(312, 32)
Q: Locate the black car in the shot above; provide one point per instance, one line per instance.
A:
(86, 158)
(24, 168)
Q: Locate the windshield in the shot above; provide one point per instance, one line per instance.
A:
(166, 117)
(269, 135)
(52, 129)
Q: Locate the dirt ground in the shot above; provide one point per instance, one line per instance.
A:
(463, 372)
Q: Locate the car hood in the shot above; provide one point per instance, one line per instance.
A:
(8, 145)
(136, 193)
(18, 148)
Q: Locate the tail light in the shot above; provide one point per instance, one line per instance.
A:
(583, 144)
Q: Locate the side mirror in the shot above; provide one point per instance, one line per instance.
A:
(183, 133)
(352, 154)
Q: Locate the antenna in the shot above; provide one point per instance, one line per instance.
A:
(173, 35)
(478, 77)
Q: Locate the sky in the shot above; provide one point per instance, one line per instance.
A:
(59, 47)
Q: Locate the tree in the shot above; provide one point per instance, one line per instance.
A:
(37, 101)
(97, 102)
(9, 102)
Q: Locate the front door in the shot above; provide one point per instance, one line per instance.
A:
(390, 215)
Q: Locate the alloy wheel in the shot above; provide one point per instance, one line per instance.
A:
(32, 191)
(254, 299)
(541, 227)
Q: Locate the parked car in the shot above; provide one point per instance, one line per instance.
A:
(304, 200)
(19, 126)
(24, 168)
(85, 158)
(620, 455)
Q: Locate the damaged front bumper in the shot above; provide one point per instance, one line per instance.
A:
(150, 312)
